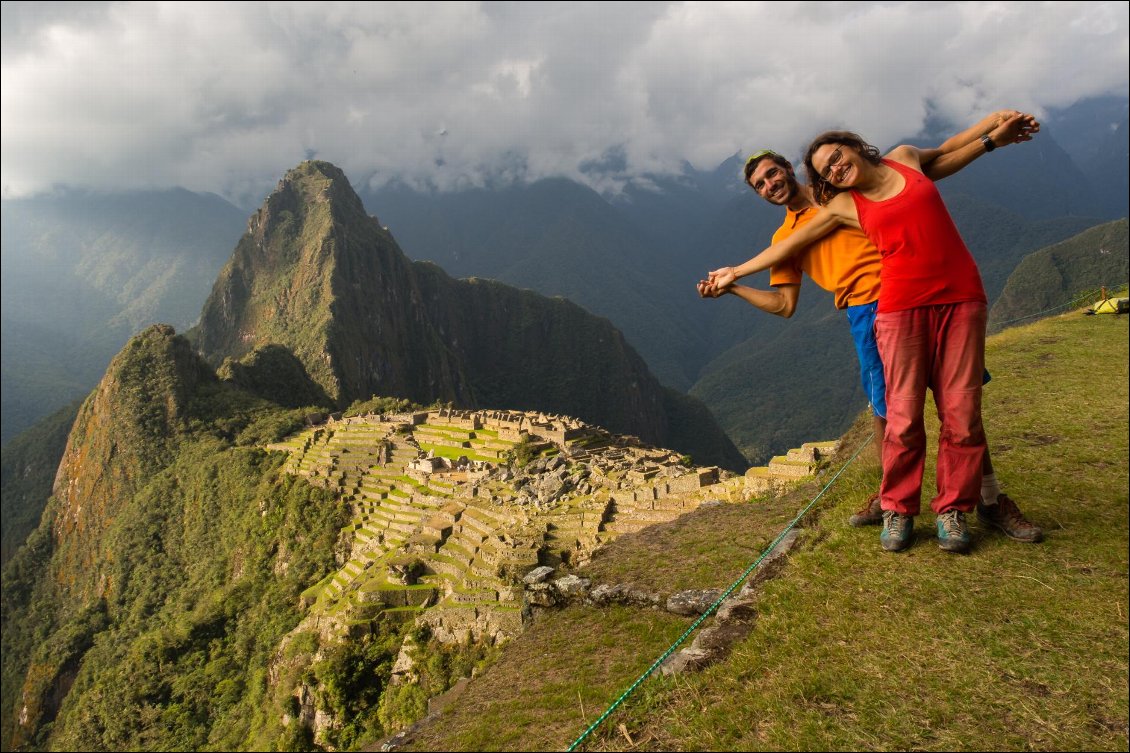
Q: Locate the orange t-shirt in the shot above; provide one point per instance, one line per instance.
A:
(844, 261)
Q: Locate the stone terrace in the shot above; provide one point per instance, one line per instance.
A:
(445, 526)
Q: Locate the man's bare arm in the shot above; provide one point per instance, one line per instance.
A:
(781, 302)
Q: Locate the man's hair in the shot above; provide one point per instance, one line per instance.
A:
(822, 190)
(753, 161)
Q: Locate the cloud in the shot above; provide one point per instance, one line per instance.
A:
(226, 97)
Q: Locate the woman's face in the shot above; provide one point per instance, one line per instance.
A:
(837, 164)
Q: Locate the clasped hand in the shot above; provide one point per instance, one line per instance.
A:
(712, 287)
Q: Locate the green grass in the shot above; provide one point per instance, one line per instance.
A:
(1014, 646)
(454, 453)
(687, 552)
(534, 697)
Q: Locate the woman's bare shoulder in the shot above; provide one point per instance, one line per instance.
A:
(912, 156)
(842, 207)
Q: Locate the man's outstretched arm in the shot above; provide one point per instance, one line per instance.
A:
(781, 302)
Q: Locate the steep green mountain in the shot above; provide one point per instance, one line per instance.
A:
(126, 431)
(83, 272)
(31, 459)
(318, 275)
(1049, 278)
(166, 566)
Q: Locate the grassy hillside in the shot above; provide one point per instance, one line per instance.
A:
(1014, 646)
(1050, 278)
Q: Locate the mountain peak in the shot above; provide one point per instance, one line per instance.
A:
(319, 276)
(316, 274)
(309, 185)
(125, 431)
(319, 181)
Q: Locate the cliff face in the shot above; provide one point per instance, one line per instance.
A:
(523, 350)
(128, 430)
(317, 275)
(160, 546)
(125, 431)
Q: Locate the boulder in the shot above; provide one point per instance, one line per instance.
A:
(537, 575)
(694, 602)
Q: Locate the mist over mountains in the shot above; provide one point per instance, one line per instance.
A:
(83, 272)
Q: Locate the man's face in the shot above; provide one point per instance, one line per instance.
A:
(772, 182)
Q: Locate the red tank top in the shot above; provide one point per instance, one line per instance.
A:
(925, 261)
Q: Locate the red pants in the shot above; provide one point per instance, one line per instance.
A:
(941, 347)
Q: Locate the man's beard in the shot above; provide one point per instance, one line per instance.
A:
(791, 188)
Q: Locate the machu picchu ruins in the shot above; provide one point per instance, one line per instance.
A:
(451, 509)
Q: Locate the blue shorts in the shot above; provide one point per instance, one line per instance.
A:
(862, 321)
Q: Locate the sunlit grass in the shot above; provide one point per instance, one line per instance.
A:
(1014, 646)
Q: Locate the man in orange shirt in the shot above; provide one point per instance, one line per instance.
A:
(846, 263)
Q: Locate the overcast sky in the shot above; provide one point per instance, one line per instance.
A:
(226, 97)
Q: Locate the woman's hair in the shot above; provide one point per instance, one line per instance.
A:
(822, 190)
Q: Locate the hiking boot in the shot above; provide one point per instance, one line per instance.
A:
(953, 535)
(871, 514)
(898, 531)
(1006, 516)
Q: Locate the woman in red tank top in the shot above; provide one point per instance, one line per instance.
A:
(930, 329)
